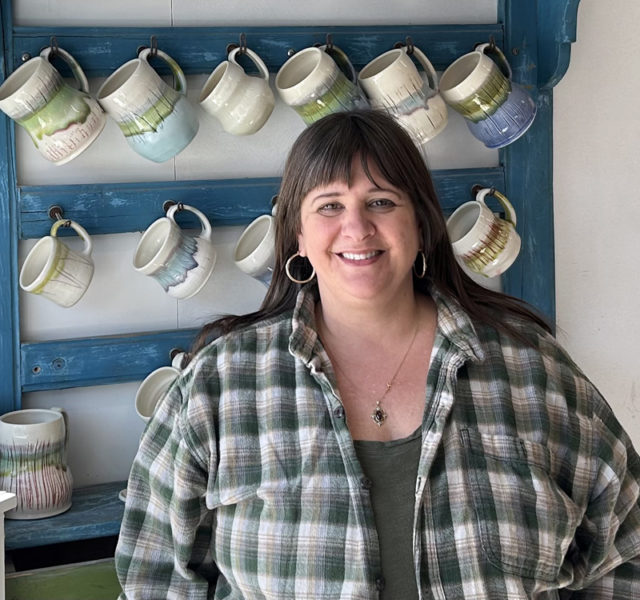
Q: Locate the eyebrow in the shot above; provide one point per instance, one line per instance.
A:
(337, 194)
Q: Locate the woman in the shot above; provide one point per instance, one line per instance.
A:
(382, 427)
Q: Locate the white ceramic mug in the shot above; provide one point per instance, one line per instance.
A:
(180, 263)
(152, 390)
(497, 110)
(62, 121)
(33, 462)
(314, 84)
(157, 120)
(393, 83)
(241, 102)
(56, 272)
(482, 241)
(255, 250)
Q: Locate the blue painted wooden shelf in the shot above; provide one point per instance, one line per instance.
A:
(536, 37)
(96, 512)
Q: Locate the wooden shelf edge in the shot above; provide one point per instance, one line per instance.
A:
(96, 512)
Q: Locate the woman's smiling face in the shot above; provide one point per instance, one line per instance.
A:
(361, 239)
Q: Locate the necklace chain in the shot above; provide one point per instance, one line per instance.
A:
(379, 415)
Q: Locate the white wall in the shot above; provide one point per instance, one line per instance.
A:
(104, 427)
(597, 206)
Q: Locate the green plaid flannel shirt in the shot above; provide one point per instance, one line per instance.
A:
(246, 483)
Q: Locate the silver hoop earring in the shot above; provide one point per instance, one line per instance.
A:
(291, 277)
(423, 271)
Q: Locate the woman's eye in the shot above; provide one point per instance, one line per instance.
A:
(330, 207)
(382, 203)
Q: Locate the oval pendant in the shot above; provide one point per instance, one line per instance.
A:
(378, 415)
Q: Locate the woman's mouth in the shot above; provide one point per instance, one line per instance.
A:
(357, 256)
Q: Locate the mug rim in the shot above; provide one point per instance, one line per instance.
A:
(44, 273)
(164, 222)
(476, 57)
(21, 76)
(56, 414)
(297, 57)
(369, 66)
(257, 222)
(213, 80)
(455, 215)
(108, 87)
(167, 375)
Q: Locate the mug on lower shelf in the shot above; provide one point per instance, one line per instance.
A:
(483, 242)
(33, 462)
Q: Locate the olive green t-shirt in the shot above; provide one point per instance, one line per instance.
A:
(393, 468)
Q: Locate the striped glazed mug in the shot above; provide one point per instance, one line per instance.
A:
(497, 110)
(318, 81)
(179, 262)
(482, 241)
(33, 462)
(157, 120)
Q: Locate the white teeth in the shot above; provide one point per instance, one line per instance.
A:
(365, 256)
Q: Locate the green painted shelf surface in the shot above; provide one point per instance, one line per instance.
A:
(96, 512)
(95, 579)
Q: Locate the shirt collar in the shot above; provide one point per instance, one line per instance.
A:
(454, 324)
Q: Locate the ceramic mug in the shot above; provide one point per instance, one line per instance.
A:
(255, 251)
(485, 243)
(152, 390)
(314, 84)
(56, 272)
(497, 110)
(157, 120)
(392, 82)
(179, 262)
(62, 121)
(241, 102)
(33, 462)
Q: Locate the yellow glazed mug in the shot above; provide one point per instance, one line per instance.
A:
(482, 241)
(55, 271)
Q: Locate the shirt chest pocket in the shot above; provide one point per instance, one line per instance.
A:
(526, 522)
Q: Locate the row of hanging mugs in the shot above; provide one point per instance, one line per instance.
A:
(159, 121)
(182, 263)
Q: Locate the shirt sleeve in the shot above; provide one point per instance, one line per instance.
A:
(164, 546)
(608, 545)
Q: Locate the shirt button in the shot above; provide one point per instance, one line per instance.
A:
(380, 583)
(366, 483)
(338, 412)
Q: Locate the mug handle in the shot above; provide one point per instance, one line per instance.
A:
(65, 417)
(342, 60)
(432, 77)
(206, 226)
(502, 62)
(79, 229)
(179, 80)
(50, 53)
(508, 207)
(255, 59)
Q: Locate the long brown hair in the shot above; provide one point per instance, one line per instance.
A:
(322, 154)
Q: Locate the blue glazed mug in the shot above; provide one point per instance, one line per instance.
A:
(497, 110)
(179, 262)
(157, 120)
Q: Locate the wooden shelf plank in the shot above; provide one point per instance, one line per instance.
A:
(96, 512)
(100, 50)
(122, 207)
(102, 360)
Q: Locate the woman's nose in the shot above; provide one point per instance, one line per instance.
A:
(357, 224)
